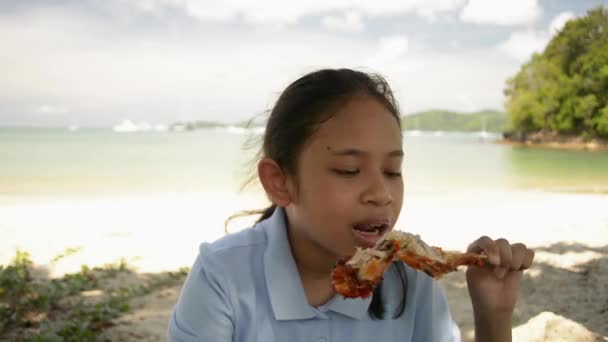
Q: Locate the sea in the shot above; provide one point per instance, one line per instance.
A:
(155, 196)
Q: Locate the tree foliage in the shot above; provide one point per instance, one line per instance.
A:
(565, 88)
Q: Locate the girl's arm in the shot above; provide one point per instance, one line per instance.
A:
(492, 327)
(203, 311)
(494, 288)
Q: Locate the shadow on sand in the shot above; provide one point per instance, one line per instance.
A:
(569, 280)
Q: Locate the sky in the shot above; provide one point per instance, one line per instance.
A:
(98, 62)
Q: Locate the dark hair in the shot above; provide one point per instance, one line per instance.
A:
(310, 101)
(302, 107)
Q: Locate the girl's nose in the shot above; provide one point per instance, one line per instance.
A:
(377, 192)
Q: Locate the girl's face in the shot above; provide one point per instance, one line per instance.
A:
(349, 184)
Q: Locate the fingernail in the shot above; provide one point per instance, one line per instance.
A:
(494, 259)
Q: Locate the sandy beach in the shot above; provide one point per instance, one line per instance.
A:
(153, 214)
(564, 297)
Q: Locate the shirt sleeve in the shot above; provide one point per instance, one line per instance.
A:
(433, 319)
(203, 311)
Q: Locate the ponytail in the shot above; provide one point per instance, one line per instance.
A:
(265, 213)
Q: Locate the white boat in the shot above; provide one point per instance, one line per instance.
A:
(415, 132)
(236, 130)
(179, 127)
(160, 128)
(126, 126)
(484, 134)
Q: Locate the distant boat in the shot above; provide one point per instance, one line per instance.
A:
(242, 130)
(126, 126)
(73, 128)
(415, 132)
(160, 128)
(236, 130)
(179, 127)
(484, 134)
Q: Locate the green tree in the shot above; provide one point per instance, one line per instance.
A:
(565, 88)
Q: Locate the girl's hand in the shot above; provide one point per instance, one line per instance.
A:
(494, 287)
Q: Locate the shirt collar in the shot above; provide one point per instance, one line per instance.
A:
(285, 289)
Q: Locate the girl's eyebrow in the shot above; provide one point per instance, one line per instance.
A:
(358, 153)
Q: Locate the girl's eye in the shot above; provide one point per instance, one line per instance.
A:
(393, 174)
(346, 172)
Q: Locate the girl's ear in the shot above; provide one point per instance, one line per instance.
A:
(274, 181)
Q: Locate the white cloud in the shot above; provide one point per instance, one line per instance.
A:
(392, 48)
(501, 12)
(350, 22)
(560, 21)
(522, 44)
(464, 81)
(50, 110)
(272, 11)
(102, 72)
(430, 10)
(392, 56)
(211, 10)
(144, 5)
(423, 8)
(454, 44)
(58, 57)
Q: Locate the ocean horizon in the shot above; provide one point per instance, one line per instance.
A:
(154, 196)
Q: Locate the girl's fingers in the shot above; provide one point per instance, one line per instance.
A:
(503, 256)
(487, 246)
(518, 253)
(528, 258)
(506, 256)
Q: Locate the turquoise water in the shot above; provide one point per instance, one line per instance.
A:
(464, 160)
(135, 194)
(90, 162)
(103, 162)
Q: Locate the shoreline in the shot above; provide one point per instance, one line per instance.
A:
(572, 146)
(553, 141)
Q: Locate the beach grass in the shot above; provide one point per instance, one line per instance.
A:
(75, 307)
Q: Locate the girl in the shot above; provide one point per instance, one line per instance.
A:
(331, 166)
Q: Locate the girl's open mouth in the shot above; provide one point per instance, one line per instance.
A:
(368, 234)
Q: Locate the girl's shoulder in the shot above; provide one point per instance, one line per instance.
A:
(247, 238)
(234, 251)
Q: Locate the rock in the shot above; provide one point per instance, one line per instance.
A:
(548, 326)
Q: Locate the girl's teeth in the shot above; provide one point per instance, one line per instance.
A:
(371, 232)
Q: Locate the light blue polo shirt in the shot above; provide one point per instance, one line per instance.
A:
(245, 287)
